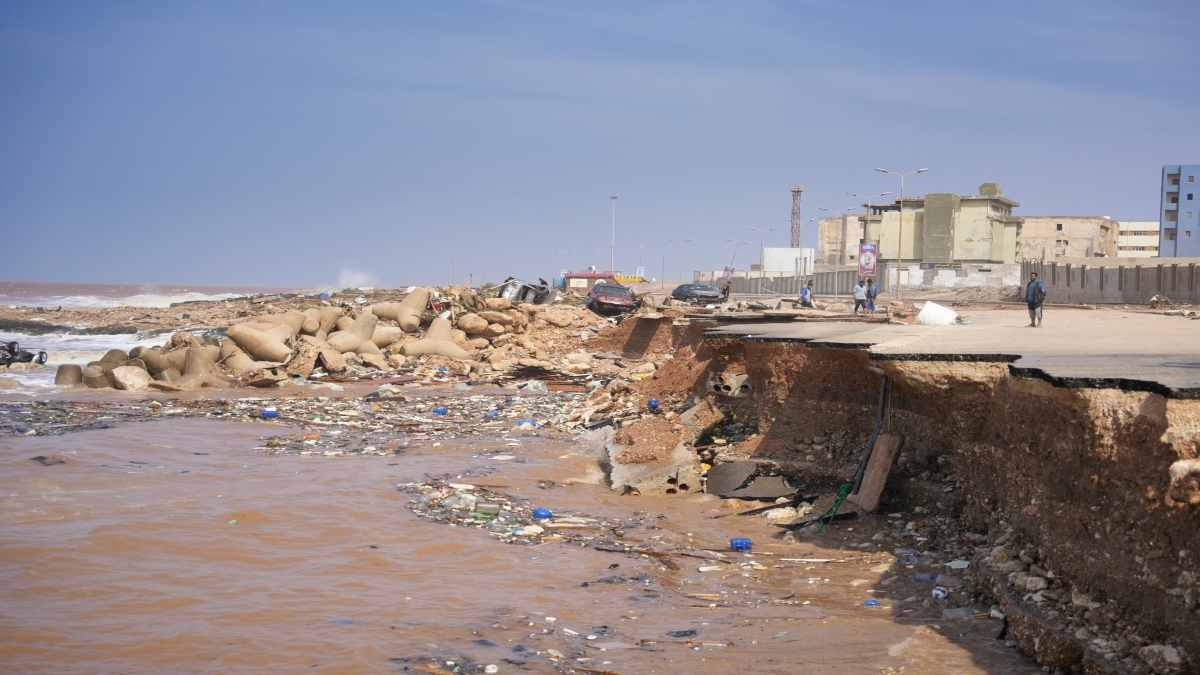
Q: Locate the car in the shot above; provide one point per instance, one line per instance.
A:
(12, 353)
(610, 297)
(696, 294)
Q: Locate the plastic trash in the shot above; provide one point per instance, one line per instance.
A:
(927, 578)
(440, 411)
(870, 603)
(680, 633)
(958, 613)
(653, 405)
(532, 423)
(324, 296)
(270, 413)
(940, 593)
(491, 414)
(740, 544)
(958, 564)
(933, 314)
(540, 514)
(487, 508)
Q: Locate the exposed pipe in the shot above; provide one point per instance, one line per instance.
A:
(862, 466)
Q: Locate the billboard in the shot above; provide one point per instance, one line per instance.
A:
(866, 259)
(727, 276)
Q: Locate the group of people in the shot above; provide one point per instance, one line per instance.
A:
(866, 291)
(864, 295)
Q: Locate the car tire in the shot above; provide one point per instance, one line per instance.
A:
(41, 358)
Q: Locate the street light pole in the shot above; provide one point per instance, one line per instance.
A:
(900, 230)
(681, 243)
(599, 250)
(640, 248)
(837, 262)
(564, 253)
(508, 264)
(612, 252)
(736, 244)
(761, 233)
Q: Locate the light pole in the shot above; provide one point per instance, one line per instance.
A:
(599, 250)
(640, 248)
(837, 262)
(564, 253)
(681, 243)
(736, 244)
(900, 230)
(612, 252)
(761, 233)
(453, 276)
(508, 264)
(867, 222)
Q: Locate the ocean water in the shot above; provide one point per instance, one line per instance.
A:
(51, 294)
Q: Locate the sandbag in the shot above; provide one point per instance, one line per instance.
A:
(933, 314)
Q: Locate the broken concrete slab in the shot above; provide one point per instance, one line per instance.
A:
(764, 487)
(725, 478)
(879, 468)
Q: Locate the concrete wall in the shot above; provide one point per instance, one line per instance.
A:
(972, 275)
(914, 227)
(1117, 280)
(939, 240)
(832, 232)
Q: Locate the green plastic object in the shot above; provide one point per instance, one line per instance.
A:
(837, 504)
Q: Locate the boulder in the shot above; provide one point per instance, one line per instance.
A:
(498, 303)
(375, 359)
(68, 374)
(331, 358)
(493, 330)
(1162, 659)
(557, 319)
(263, 376)
(497, 317)
(472, 324)
(9, 383)
(305, 360)
(130, 378)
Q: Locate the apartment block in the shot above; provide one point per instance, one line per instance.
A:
(1179, 214)
(1137, 239)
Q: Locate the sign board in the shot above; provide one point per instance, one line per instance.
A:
(727, 275)
(641, 273)
(579, 283)
(941, 266)
(866, 259)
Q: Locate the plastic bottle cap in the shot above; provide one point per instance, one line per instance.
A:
(270, 413)
(440, 411)
(542, 513)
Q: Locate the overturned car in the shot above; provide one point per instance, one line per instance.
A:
(12, 353)
(522, 291)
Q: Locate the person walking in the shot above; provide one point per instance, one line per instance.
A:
(1035, 294)
(806, 295)
(872, 293)
(860, 297)
(725, 292)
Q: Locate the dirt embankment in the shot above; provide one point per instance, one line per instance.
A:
(1091, 553)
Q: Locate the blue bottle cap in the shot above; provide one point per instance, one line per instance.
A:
(542, 513)
(653, 404)
(270, 414)
(440, 411)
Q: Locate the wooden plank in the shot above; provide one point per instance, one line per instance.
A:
(879, 469)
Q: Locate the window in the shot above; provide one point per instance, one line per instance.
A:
(1139, 248)
(1187, 234)
(1172, 216)
(1188, 214)
(1189, 196)
(1058, 227)
(1191, 179)
(1173, 199)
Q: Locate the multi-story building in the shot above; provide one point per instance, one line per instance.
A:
(949, 228)
(1179, 214)
(1051, 237)
(1137, 239)
(838, 239)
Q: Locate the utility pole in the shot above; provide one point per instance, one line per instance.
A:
(508, 264)
(837, 262)
(599, 250)
(564, 253)
(760, 254)
(681, 243)
(612, 252)
(900, 231)
(736, 244)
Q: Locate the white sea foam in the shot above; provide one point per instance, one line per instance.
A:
(68, 349)
(148, 300)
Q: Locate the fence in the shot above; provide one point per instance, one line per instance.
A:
(1107, 282)
(790, 286)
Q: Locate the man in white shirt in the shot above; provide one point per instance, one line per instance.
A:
(860, 297)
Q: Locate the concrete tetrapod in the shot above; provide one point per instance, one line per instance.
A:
(95, 377)
(233, 358)
(439, 340)
(263, 346)
(407, 312)
(68, 374)
(352, 338)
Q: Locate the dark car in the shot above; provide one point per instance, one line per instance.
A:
(12, 353)
(610, 297)
(696, 294)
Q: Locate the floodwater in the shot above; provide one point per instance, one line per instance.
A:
(175, 547)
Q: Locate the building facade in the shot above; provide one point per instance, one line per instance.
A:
(948, 228)
(1051, 237)
(1137, 239)
(838, 239)
(1179, 213)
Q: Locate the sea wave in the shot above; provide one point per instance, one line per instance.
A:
(147, 300)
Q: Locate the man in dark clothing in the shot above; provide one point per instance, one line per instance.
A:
(872, 293)
(1035, 294)
(725, 292)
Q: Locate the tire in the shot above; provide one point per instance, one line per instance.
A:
(41, 358)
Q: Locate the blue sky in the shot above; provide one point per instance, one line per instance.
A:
(292, 143)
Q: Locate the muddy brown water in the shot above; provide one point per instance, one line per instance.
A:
(175, 547)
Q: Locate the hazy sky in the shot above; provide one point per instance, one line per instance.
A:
(319, 143)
